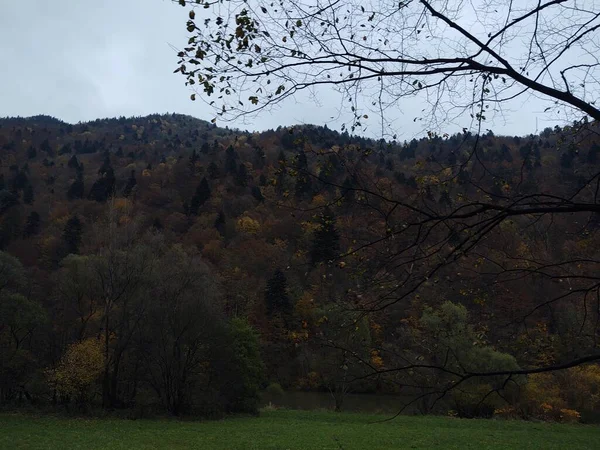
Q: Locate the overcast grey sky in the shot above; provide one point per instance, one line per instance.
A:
(85, 59)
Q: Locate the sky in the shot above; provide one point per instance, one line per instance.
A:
(82, 60)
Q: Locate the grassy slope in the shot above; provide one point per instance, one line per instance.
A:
(291, 430)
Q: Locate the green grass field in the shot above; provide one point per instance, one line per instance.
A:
(291, 430)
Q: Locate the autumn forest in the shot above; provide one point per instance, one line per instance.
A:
(163, 263)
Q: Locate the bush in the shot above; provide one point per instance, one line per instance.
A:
(275, 390)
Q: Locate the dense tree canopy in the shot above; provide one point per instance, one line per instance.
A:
(464, 63)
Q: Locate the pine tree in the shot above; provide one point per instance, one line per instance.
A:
(592, 156)
(28, 195)
(259, 158)
(103, 188)
(566, 160)
(303, 185)
(326, 241)
(192, 162)
(32, 226)
(231, 165)
(72, 235)
(131, 182)
(19, 181)
(157, 224)
(45, 147)
(241, 178)
(213, 170)
(276, 296)
(348, 191)
(281, 172)
(76, 190)
(257, 194)
(73, 162)
(220, 223)
(31, 152)
(200, 197)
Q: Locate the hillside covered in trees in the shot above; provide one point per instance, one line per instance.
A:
(164, 260)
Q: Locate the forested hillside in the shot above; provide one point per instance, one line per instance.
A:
(162, 259)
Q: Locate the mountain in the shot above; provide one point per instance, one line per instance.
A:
(272, 212)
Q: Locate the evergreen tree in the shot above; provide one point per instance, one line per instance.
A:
(65, 149)
(103, 188)
(326, 240)
(2, 182)
(538, 156)
(389, 164)
(76, 190)
(72, 235)
(28, 195)
(220, 223)
(259, 158)
(348, 192)
(566, 160)
(7, 200)
(205, 149)
(213, 170)
(281, 161)
(262, 181)
(131, 182)
(19, 181)
(73, 162)
(276, 296)
(241, 178)
(281, 172)
(157, 224)
(257, 194)
(303, 185)
(200, 197)
(231, 165)
(45, 147)
(452, 159)
(592, 156)
(31, 152)
(192, 162)
(32, 226)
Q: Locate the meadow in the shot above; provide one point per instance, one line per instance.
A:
(286, 429)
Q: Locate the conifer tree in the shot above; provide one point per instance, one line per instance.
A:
(32, 226)
(326, 241)
(131, 182)
(76, 190)
(303, 185)
(213, 170)
(276, 296)
(241, 178)
(257, 194)
(28, 195)
(200, 197)
(231, 165)
(220, 222)
(72, 235)
(73, 162)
